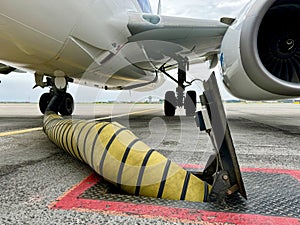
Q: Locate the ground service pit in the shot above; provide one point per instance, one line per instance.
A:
(269, 201)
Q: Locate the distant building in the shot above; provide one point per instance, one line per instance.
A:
(233, 101)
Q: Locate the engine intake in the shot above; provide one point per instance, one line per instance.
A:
(270, 46)
(279, 41)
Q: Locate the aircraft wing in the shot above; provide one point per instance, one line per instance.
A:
(165, 37)
(155, 41)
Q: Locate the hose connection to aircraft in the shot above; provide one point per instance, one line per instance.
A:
(121, 158)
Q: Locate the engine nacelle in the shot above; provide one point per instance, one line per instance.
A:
(260, 54)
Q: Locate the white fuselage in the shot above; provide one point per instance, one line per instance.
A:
(73, 36)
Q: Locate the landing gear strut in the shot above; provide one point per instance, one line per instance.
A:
(179, 99)
(58, 87)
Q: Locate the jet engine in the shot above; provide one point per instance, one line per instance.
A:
(260, 53)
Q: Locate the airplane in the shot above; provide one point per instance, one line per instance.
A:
(123, 45)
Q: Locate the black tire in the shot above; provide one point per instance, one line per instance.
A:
(67, 106)
(44, 102)
(190, 103)
(170, 103)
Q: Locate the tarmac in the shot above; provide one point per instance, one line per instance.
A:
(38, 181)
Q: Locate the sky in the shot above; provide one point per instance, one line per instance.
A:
(17, 87)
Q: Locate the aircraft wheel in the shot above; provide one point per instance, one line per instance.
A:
(44, 101)
(67, 106)
(170, 103)
(190, 103)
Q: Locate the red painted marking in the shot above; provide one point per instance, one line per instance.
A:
(71, 201)
(293, 173)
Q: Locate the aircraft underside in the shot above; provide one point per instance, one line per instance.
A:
(116, 45)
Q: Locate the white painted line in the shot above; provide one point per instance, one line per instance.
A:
(16, 132)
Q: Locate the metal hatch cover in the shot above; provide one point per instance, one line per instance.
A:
(274, 199)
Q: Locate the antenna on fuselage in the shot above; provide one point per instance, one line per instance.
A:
(159, 8)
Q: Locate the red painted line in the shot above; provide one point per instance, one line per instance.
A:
(293, 173)
(71, 201)
(70, 198)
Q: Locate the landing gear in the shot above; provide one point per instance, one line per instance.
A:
(170, 103)
(190, 103)
(180, 99)
(67, 106)
(58, 88)
(44, 102)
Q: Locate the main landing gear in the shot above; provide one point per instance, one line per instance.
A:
(179, 99)
(58, 85)
(171, 103)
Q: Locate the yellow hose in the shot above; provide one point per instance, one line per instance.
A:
(121, 158)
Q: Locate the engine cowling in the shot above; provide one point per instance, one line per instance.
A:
(260, 52)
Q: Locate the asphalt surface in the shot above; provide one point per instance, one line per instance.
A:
(34, 172)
